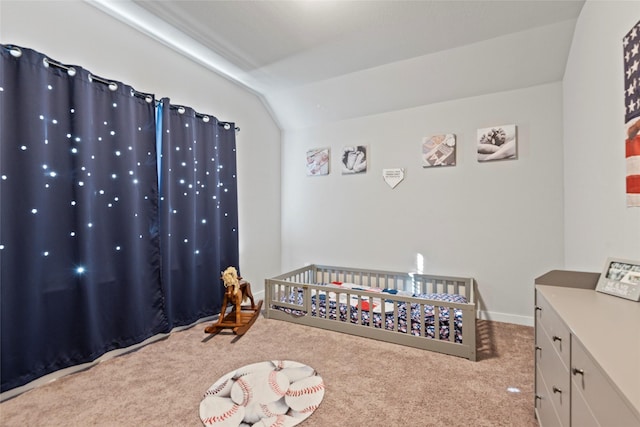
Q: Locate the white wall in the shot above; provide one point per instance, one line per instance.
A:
(74, 32)
(499, 222)
(597, 222)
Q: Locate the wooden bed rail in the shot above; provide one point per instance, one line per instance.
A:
(414, 282)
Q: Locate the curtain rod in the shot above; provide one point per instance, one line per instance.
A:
(148, 97)
(113, 86)
(48, 62)
(205, 118)
(16, 52)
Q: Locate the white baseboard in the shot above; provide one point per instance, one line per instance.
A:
(506, 318)
(258, 296)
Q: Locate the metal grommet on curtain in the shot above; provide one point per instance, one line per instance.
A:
(15, 51)
(181, 110)
(45, 61)
(71, 71)
(205, 119)
(227, 126)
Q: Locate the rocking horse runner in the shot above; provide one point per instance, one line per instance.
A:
(240, 318)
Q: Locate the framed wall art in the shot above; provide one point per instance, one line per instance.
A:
(439, 150)
(318, 161)
(497, 143)
(354, 160)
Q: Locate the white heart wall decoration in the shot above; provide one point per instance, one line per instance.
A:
(393, 176)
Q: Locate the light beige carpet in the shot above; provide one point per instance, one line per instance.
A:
(368, 382)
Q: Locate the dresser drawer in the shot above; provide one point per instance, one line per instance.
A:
(548, 319)
(555, 374)
(545, 412)
(580, 412)
(606, 404)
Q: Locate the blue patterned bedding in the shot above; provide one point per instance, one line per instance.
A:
(319, 309)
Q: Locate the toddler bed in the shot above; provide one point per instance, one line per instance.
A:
(418, 310)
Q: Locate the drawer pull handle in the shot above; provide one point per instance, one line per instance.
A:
(577, 371)
(538, 308)
(557, 390)
(538, 348)
(538, 397)
(557, 338)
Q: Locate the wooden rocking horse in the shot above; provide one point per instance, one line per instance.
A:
(241, 317)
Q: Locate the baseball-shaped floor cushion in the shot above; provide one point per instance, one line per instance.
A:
(275, 392)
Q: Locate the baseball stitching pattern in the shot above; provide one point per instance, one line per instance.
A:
(274, 384)
(279, 421)
(306, 390)
(223, 417)
(246, 391)
(267, 412)
(308, 409)
(216, 390)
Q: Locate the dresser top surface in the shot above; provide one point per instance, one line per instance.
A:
(608, 327)
(569, 279)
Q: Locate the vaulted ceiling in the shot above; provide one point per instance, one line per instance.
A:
(317, 61)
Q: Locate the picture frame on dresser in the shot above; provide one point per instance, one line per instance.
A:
(620, 278)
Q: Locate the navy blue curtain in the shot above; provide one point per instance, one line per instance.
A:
(85, 265)
(198, 211)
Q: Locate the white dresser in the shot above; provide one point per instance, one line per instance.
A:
(587, 354)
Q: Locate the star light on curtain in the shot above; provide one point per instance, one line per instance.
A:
(101, 196)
